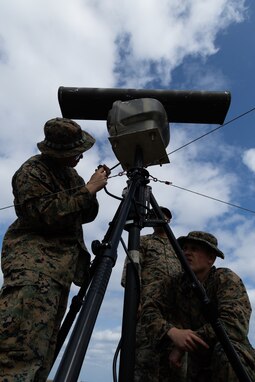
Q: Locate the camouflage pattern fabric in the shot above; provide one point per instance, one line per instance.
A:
(172, 302)
(30, 317)
(51, 204)
(64, 138)
(205, 238)
(157, 260)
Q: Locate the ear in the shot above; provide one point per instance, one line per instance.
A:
(211, 258)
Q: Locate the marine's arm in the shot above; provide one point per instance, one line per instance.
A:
(233, 308)
(42, 206)
(158, 307)
(156, 301)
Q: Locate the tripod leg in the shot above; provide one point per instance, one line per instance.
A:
(131, 302)
(132, 286)
(74, 309)
(69, 368)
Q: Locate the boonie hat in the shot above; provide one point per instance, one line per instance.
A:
(64, 138)
(202, 237)
(165, 211)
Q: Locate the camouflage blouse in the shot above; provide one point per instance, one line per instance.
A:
(51, 204)
(156, 259)
(173, 302)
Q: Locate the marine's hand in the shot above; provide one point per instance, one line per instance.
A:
(186, 339)
(97, 181)
(106, 168)
(175, 357)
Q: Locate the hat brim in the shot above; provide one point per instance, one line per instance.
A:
(166, 212)
(88, 142)
(182, 239)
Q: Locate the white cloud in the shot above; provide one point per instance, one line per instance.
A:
(249, 159)
(185, 29)
(47, 44)
(107, 335)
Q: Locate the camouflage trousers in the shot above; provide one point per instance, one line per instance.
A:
(216, 367)
(152, 365)
(30, 317)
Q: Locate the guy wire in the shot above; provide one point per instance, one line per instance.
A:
(212, 198)
(212, 131)
(179, 148)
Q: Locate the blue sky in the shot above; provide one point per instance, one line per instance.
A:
(198, 45)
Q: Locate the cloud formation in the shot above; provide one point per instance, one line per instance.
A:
(249, 159)
(135, 44)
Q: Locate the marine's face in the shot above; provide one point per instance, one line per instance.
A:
(70, 161)
(200, 259)
(160, 229)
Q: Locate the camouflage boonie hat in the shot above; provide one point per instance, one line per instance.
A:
(165, 211)
(64, 138)
(202, 237)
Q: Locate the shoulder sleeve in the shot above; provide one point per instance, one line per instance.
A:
(40, 203)
(234, 307)
(155, 310)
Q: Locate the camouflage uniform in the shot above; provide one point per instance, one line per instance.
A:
(157, 260)
(173, 301)
(43, 253)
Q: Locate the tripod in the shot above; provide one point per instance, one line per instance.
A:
(133, 209)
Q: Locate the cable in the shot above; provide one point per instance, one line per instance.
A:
(112, 195)
(179, 148)
(44, 196)
(155, 180)
(212, 198)
(115, 359)
(200, 194)
(56, 193)
(212, 131)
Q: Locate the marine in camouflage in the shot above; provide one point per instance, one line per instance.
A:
(173, 303)
(51, 203)
(43, 252)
